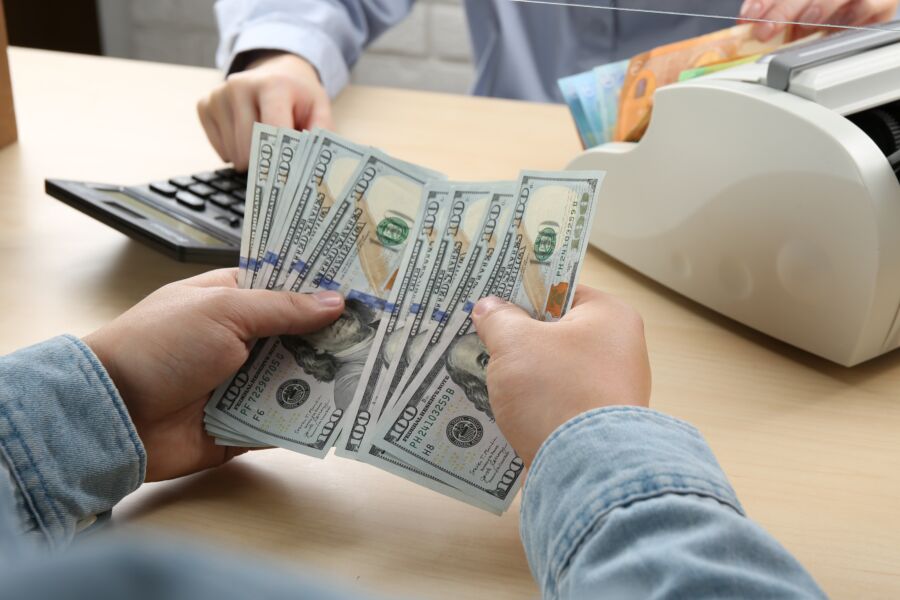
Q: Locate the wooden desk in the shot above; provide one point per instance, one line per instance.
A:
(813, 449)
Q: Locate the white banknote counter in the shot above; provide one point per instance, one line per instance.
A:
(768, 193)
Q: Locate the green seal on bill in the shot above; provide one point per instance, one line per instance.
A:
(545, 244)
(392, 231)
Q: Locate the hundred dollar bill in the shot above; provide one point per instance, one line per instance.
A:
(366, 406)
(332, 163)
(297, 389)
(481, 260)
(262, 151)
(358, 245)
(288, 165)
(451, 278)
(443, 423)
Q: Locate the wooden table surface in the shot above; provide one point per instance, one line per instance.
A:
(813, 449)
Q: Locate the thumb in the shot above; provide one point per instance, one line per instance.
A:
(497, 321)
(320, 112)
(266, 313)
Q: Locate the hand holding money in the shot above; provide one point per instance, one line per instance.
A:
(167, 353)
(391, 382)
(276, 88)
(541, 375)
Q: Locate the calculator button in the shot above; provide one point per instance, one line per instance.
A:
(226, 185)
(229, 220)
(205, 177)
(182, 182)
(201, 189)
(164, 188)
(237, 207)
(190, 200)
(228, 172)
(223, 200)
(240, 194)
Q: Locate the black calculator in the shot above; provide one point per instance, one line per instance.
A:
(192, 218)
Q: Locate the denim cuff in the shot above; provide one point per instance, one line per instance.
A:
(602, 460)
(65, 436)
(306, 42)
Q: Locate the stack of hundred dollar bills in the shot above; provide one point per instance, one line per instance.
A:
(398, 381)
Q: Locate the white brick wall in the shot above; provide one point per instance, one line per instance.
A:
(429, 50)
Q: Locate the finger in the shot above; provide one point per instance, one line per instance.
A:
(496, 319)
(591, 307)
(276, 107)
(754, 9)
(878, 11)
(587, 301)
(826, 12)
(585, 294)
(320, 114)
(777, 17)
(210, 127)
(265, 313)
(244, 114)
(220, 111)
(820, 11)
(863, 12)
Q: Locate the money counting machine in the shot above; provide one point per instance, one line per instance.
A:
(769, 193)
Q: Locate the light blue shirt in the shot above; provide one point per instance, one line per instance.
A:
(520, 50)
(619, 503)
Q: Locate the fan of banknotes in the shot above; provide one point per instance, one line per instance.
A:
(398, 381)
(614, 102)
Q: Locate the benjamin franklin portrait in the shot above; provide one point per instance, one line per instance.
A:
(467, 361)
(338, 352)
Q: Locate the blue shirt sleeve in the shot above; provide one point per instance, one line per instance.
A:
(67, 444)
(330, 34)
(629, 503)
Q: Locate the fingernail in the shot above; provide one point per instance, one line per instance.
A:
(328, 299)
(486, 305)
(752, 10)
(812, 15)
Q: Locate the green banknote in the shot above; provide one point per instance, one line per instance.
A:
(333, 161)
(368, 402)
(452, 275)
(297, 390)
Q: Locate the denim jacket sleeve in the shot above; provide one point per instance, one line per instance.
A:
(67, 444)
(68, 450)
(330, 34)
(629, 503)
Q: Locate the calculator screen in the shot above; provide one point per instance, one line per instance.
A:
(127, 204)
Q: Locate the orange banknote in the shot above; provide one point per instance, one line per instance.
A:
(663, 65)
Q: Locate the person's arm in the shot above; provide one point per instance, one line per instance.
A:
(329, 34)
(632, 503)
(83, 423)
(620, 501)
(67, 447)
(285, 59)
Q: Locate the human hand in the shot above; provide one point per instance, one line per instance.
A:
(540, 374)
(278, 89)
(832, 12)
(170, 351)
